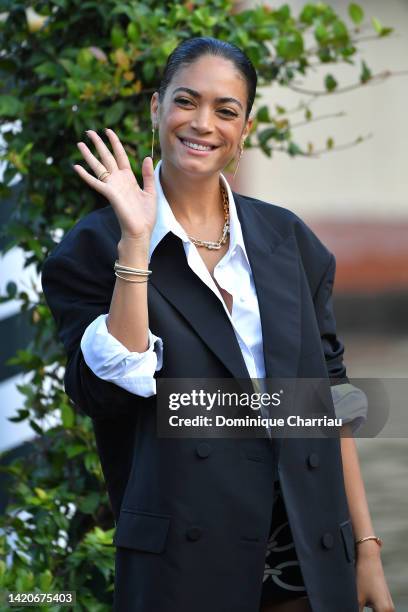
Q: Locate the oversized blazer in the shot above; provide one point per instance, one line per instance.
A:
(192, 516)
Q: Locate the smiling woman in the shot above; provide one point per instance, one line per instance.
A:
(210, 284)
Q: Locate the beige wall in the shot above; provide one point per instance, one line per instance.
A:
(368, 181)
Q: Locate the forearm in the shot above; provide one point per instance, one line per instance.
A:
(128, 317)
(356, 495)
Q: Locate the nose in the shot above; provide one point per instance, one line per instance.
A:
(202, 121)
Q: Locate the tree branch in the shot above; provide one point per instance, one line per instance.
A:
(372, 81)
(319, 118)
(317, 153)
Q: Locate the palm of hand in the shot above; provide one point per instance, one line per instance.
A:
(135, 208)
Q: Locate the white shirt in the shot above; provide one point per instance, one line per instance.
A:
(110, 360)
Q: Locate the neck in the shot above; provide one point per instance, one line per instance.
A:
(193, 200)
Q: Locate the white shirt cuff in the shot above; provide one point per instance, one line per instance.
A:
(110, 360)
(350, 405)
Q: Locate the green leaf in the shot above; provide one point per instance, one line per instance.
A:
(386, 31)
(340, 31)
(266, 135)
(11, 289)
(91, 461)
(67, 416)
(356, 12)
(45, 581)
(290, 47)
(114, 113)
(365, 73)
(329, 143)
(148, 70)
(36, 427)
(75, 449)
(22, 415)
(10, 106)
(263, 115)
(118, 39)
(308, 14)
(283, 13)
(133, 32)
(330, 82)
(294, 149)
(47, 90)
(85, 58)
(321, 33)
(48, 69)
(377, 24)
(68, 65)
(41, 494)
(88, 504)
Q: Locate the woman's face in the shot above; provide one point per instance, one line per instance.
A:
(205, 103)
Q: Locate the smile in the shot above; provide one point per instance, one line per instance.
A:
(196, 147)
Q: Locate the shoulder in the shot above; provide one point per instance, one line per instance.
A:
(287, 223)
(97, 233)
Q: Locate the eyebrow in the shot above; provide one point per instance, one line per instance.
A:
(195, 94)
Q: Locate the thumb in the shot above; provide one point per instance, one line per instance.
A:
(148, 176)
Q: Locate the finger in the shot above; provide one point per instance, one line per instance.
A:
(91, 180)
(105, 155)
(90, 159)
(148, 176)
(121, 157)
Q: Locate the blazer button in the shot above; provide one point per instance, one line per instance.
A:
(203, 450)
(313, 460)
(327, 540)
(194, 533)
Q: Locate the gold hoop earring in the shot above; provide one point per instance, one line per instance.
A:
(241, 150)
(152, 143)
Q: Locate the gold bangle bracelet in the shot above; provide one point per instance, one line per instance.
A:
(377, 539)
(123, 268)
(131, 272)
(129, 280)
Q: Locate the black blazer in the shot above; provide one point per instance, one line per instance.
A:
(192, 518)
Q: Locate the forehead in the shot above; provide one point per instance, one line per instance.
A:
(212, 77)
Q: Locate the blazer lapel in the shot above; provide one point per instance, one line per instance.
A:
(175, 280)
(275, 267)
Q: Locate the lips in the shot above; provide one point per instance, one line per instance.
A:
(200, 144)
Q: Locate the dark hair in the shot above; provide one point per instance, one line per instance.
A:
(190, 50)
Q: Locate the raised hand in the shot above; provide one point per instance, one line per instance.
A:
(134, 207)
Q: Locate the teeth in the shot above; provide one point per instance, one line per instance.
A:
(193, 145)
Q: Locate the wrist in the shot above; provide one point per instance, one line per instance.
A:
(133, 251)
(368, 550)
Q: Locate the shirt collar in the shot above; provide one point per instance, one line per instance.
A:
(167, 222)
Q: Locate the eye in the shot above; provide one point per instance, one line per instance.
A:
(228, 112)
(182, 100)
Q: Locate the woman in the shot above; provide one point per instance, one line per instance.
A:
(208, 284)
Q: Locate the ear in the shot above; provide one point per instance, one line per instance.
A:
(154, 108)
(247, 128)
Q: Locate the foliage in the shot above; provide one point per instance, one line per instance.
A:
(67, 66)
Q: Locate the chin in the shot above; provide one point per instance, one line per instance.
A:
(196, 166)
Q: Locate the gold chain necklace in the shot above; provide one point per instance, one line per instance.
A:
(210, 244)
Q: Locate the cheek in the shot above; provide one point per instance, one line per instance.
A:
(176, 119)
